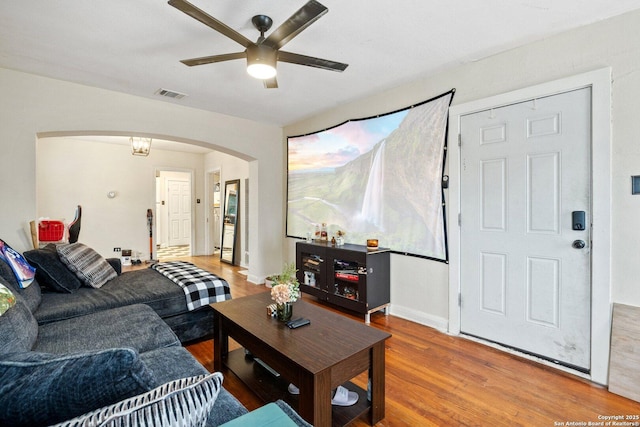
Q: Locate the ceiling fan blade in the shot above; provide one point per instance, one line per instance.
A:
(210, 21)
(310, 61)
(271, 83)
(305, 16)
(213, 58)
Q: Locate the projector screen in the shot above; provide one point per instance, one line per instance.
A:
(374, 178)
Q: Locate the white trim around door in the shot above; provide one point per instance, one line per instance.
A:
(600, 83)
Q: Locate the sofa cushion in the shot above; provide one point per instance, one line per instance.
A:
(269, 415)
(51, 272)
(41, 389)
(133, 287)
(31, 295)
(172, 363)
(136, 326)
(182, 402)
(90, 267)
(194, 325)
(291, 413)
(18, 327)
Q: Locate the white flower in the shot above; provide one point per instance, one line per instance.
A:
(285, 292)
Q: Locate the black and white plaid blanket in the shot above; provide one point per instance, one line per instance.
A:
(200, 286)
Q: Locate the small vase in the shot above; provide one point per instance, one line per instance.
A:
(284, 311)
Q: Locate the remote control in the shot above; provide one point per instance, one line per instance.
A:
(297, 323)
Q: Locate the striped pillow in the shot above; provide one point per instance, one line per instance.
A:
(90, 267)
(184, 402)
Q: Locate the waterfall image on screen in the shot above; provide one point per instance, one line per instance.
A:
(375, 178)
(372, 202)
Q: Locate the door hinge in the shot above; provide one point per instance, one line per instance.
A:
(459, 220)
(459, 140)
(459, 299)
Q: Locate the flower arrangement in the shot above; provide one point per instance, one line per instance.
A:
(287, 288)
(269, 281)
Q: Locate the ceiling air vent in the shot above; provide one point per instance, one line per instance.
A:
(170, 93)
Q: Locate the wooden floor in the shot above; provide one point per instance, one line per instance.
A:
(433, 379)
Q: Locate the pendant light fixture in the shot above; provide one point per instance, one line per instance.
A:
(140, 146)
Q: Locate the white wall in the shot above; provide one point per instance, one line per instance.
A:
(419, 287)
(72, 172)
(33, 106)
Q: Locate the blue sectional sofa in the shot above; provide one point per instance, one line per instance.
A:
(82, 358)
(64, 295)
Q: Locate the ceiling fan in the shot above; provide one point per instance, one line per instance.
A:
(265, 52)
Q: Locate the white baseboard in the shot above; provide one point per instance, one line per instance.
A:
(439, 323)
(256, 280)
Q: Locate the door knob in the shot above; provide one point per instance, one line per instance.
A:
(578, 244)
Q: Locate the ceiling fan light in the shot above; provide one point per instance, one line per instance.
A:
(261, 71)
(261, 62)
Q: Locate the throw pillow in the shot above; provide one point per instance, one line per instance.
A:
(90, 267)
(7, 299)
(42, 389)
(31, 295)
(184, 402)
(269, 415)
(51, 271)
(24, 272)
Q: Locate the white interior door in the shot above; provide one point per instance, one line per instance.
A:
(524, 169)
(179, 207)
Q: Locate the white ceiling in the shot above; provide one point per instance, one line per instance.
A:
(135, 46)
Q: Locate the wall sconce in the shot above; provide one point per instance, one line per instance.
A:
(140, 146)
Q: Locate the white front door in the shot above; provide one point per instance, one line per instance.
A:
(179, 206)
(524, 279)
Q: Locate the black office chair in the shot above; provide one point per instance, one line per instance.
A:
(74, 226)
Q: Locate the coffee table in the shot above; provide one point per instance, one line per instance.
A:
(317, 358)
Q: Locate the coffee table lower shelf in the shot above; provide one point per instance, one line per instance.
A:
(270, 388)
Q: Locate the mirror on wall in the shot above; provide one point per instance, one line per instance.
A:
(230, 221)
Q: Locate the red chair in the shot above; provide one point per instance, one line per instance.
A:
(74, 226)
(54, 231)
(51, 231)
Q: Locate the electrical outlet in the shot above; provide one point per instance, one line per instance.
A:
(117, 249)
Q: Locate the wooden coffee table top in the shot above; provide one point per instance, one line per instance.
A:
(328, 340)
